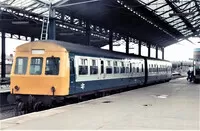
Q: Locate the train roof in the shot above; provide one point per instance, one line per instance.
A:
(94, 51)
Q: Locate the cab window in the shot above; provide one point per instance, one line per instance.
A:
(21, 65)
(36, 66)
(52, 66)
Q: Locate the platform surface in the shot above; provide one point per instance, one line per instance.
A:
(172, 105)
(4, 88)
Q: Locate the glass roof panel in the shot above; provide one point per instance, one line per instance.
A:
(35, 6)
(165, 13)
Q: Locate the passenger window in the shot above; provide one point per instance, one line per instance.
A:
(116, 68)
(83, 66)
(21, 65)
(142, 68)
(133, 69)
(150, 68)
(138, 70)
(108, 68)
(127, 68)
(157, 68)
(36, 66)
(122, 70)
(130, 67)
(93, 67)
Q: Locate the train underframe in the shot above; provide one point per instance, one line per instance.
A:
(31, 103)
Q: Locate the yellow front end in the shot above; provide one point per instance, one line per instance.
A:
(40, 68)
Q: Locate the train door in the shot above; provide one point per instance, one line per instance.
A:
(102, 71)
(72, 75)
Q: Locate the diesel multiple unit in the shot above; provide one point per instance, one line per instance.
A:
(44, 71)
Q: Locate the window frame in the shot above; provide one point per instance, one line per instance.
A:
(91, 65)
(16, 64)
(58, 66)
(83, 58)
(36, 64)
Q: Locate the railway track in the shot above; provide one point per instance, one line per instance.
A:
(7, 111)
(7, 107)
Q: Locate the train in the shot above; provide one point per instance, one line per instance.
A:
(44, 72)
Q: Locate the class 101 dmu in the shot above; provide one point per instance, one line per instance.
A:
(47, 71)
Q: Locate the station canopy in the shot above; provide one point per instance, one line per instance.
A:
(157, 22)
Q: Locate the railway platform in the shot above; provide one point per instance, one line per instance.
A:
(172, 105)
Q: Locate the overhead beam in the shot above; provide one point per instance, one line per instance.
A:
(197, 5)
(39, 1)
(77, 3)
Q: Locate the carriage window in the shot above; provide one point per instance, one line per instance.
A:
(154, 67)
(36, 66)
(108, 68)
(127, 68)
(130, 67)
(52, 66)
(93, 67)
(116, 68)
(21, 65)
(83, 66)
(122, 70)
(137, 69)
(149, 68)
(142, 68)
(133, 69)
(157, 68)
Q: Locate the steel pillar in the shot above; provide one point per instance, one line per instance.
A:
(111, 40)
(32, 38)
(149, 50)
(163, 53)
(52, 29)
(52, 25)
(3, 55)
(127, 45)
(139, 48)
(88, 31)
(156, 52)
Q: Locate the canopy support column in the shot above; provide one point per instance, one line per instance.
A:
(3, 55)
(111, 40)
(127, 45)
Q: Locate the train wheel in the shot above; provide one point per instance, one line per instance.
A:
(37, 106)
(19, 108)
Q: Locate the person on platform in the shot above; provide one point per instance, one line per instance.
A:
(189, 75)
